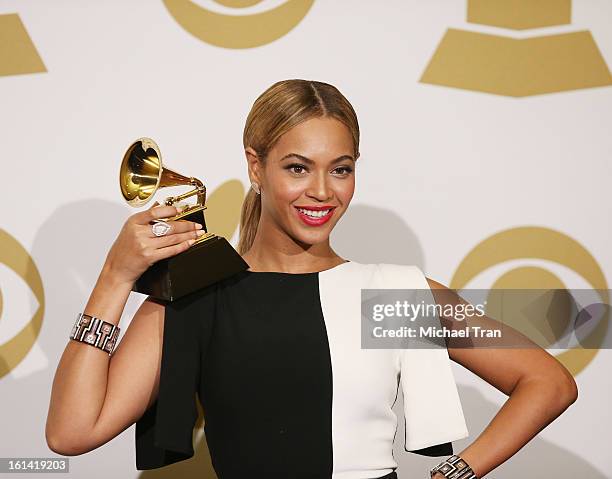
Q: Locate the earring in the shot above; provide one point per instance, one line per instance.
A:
(255, 187)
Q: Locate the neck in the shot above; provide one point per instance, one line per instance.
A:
(274, 250)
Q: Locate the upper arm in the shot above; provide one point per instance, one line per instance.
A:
(503, 368)
(133, 376)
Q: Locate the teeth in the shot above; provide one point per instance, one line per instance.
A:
(314, 214)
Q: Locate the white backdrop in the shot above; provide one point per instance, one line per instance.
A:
(442, 169)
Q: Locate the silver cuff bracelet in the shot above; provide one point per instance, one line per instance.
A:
(454, 467)
(95, 332)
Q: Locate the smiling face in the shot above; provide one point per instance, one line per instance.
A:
(307, 180)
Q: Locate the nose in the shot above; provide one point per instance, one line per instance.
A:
(319, 187)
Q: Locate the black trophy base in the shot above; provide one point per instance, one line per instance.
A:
(196, 268)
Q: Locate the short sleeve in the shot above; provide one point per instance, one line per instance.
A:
(432, 408)
(164, 434)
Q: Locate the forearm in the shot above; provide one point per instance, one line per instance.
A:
(533, 404)
(79, 386)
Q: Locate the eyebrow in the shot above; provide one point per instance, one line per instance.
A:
(309, 161)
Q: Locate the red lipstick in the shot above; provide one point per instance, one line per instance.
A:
(315, 221)
(317, 208)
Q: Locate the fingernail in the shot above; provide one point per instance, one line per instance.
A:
(200, 233)
(198, 226)
(191, 241)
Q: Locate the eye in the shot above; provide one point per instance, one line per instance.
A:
(344, 170)
(296, 168)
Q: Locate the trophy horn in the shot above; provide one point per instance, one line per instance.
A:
(142, 173)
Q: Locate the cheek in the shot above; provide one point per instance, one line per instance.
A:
(282, 190)
(346, 190)
(287, 192)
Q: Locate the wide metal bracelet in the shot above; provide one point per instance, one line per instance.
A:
(454, 468)
(95, 332)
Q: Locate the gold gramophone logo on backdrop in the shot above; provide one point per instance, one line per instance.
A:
(518, 67)
(18, 55)
(16, 258)
(530, 243)
(238, 30)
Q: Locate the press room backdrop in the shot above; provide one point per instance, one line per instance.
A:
(485, 160)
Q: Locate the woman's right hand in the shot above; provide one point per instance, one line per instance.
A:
(137, 248)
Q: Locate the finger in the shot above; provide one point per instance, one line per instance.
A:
(173, 250)
(154, 213)
(182, 226)
(154, 205)
(164, 241)
(176, 227)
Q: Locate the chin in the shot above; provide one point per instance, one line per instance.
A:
(312, 238)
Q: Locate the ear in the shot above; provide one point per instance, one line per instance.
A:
(254, 165)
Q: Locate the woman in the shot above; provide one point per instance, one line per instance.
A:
(273, 353)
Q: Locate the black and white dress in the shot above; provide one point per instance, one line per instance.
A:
(286, 389)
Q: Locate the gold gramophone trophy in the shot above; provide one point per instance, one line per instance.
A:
(210, 259)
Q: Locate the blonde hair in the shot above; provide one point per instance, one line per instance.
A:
(278, 109)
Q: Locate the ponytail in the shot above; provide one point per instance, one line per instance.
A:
(249, 220)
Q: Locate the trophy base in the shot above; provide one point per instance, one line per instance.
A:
(209, 260)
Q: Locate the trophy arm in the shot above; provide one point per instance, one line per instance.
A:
(200, 191)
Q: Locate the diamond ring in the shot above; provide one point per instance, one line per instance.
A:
(160, 227)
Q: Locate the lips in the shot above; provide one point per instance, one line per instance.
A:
(315, 215)
(316, 208)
